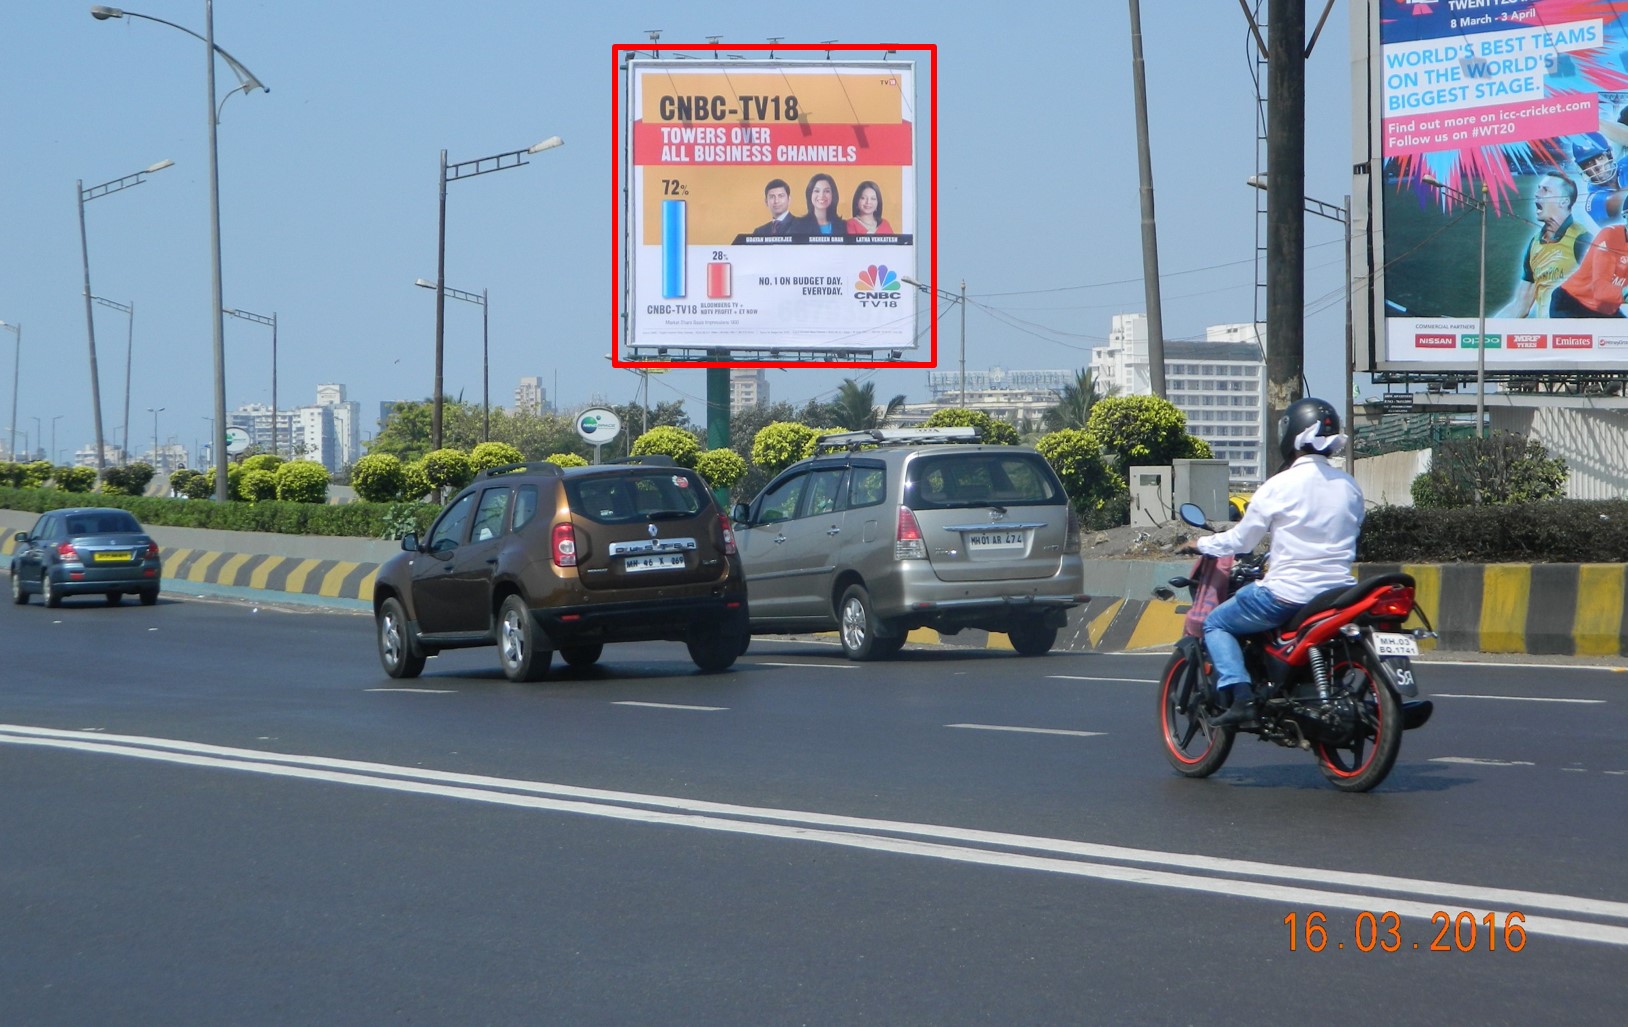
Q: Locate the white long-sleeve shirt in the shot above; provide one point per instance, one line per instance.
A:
(1314, 511)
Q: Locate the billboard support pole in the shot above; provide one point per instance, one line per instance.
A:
(1285, 206)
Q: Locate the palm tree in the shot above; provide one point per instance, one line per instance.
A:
(855, 406)
(1074, 403)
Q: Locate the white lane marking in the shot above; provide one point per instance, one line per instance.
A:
(1029, 730)
(1520, 666)
(815, 666)
(423, 691)
(668, 705)
(1516, 698)
(1480, 762)
(1078, 677)
(786, 824)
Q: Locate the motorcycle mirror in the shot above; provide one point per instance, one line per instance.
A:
(1193, 514)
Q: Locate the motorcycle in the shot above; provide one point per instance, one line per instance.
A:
(1336, 680)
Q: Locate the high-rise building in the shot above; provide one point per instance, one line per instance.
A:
(1219, 383)
(748, 387)
(531, 397)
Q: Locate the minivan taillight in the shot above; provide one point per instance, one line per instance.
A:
(564, 545)
(67, 553)
(729, 535)
(907, 541)
(1071, 535)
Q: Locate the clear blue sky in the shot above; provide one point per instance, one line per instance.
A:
(329, 185)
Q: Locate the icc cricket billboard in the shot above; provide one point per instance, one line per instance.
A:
(771, 205)
(1520, 106)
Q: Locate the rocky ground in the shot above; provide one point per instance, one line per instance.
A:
(1128, 542)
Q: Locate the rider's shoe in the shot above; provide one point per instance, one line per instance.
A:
(1242, 709)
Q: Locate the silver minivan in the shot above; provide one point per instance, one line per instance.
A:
(887, 530)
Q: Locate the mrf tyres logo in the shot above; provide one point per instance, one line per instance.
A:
(877, 286)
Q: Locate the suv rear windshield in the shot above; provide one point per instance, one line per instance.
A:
(639, 496)
(949, 480)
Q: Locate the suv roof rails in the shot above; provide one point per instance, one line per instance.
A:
(541, 467)
(653, 459)
(894, 437)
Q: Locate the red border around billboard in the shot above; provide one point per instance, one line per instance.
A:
(618, 49)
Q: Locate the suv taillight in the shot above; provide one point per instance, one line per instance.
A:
(67, 553)
(729, 534)
(1071, 535)
(907, 541)
(564, 545)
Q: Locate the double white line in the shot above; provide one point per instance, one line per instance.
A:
(1302, 888)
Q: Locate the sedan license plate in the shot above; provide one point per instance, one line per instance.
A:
(119, 557)
(653, 562)
(1388, 643)
(981, 540)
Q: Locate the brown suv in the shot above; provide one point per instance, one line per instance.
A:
(534, 558)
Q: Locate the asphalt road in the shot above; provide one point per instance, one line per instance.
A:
(219, 813)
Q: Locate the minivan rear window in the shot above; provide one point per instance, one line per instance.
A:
(628, 498)
(950, 480)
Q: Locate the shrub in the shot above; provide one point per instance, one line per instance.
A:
(1092, 485)
(258, 485)
(415, 482)
(378, 478)
(130, 480)
(447, 469)
(180, 479)
(1138, 430)
(262, 462)
(34, 474)
(990, 431)
(302, 481)
(1504, 468)
(722, 468)
(200, 486)
(74, 479)
(779, 445)
(668, 440)
(494, 454)
(566, 460)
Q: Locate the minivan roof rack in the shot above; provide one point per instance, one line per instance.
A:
(894, 437)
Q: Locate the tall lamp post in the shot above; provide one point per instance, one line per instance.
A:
(246, 83)
(272, 321)
(128, 309)
(1342, 214)
(155, 411)
(953, 298)
(485, 337)
(452, 173)
(86, 195)
(54, 421)
(1479, 205)
(38, 434)
(16, 368)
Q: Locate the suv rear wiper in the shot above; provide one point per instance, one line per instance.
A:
(668, 515)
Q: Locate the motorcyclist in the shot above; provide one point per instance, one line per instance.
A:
(1313, 511)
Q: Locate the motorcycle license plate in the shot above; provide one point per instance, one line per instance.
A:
(1390, 643)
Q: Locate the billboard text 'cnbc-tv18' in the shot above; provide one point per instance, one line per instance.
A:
(1523, 103)
(772, 206)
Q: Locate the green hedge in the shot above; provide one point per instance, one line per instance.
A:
(1552, 531)
(349, 520)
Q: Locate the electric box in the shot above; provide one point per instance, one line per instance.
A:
(1150, 496)
(1205, 482)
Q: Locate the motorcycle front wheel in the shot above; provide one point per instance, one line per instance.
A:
(1193, 747)
(1363, 761)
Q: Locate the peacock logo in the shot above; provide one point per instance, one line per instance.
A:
(877, 286)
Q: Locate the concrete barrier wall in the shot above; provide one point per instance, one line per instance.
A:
(1564, 609)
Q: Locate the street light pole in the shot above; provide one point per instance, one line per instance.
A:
(963, 343)
(450, 173)
(247, 82)
(54, 421)
(158, 464)
(86, 195)
(16, 368)
(128, 309)
(272, 321)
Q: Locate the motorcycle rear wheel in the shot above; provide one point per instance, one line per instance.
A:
(1193, 747)
(1365, 761)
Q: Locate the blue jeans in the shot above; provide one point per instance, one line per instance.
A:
(1251, 609)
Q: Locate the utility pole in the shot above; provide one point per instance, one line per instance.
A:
(1150, 234)
(1285, 207)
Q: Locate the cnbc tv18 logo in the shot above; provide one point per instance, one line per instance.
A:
(877, 286)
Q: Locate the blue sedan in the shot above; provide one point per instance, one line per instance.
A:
(85, 551)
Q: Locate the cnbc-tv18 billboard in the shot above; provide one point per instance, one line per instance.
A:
(1518, 108)
(771, 205)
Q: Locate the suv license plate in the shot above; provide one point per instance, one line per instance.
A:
(997, 539)
(656, 562)
(1388, 643)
